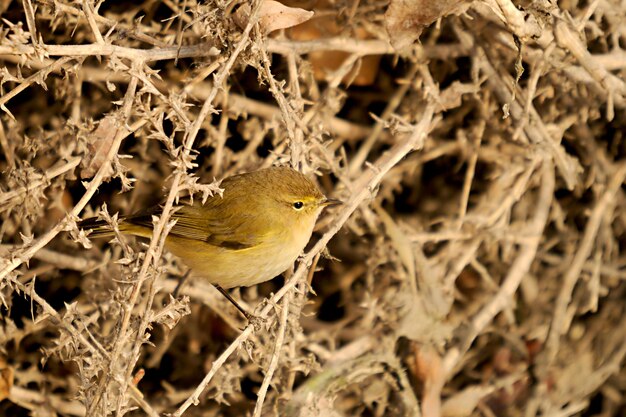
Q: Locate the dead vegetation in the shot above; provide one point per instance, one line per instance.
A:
(475, 268)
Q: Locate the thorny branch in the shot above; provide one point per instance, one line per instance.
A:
(481, 239)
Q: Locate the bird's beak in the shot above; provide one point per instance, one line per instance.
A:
(329, 202)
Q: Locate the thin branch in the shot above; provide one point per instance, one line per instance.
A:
(8, 198)
(359, 159)
(29, 11)
(90, 14)
(354, 46)
(524, 25)
(31, 399)
(94, 49)
(557, 327)
(37, 77)
(517, 271)
(278, 346)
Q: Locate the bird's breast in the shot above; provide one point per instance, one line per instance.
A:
(243, 267)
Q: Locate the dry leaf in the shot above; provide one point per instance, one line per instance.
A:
(425, 363)
(272, 16)
(405, 19)
(326, 62)
(6, 379)
(99, 144)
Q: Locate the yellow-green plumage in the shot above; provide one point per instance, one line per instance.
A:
(254, 232)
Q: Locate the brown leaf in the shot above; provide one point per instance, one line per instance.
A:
(427, 366)
(6, 379)
(99, 144)
(326, 62)
(405, 19)
(272, 16)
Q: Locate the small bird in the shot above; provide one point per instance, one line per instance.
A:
(250, 234)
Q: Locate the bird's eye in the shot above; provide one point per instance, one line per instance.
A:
(298, 205)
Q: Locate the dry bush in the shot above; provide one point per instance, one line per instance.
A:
(475, 268)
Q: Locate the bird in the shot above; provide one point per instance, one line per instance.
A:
(251, 233)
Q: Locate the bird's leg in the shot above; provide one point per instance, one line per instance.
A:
(248, 316)
(181, 281)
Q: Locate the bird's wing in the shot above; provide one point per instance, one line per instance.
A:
(212, 225)
(218, 227)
